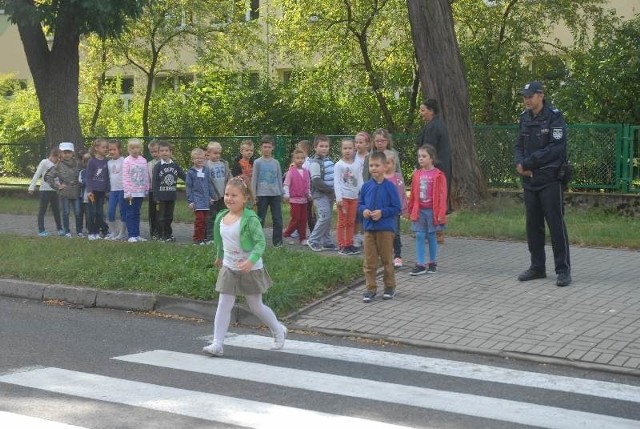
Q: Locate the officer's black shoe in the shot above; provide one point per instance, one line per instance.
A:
(531, 274)
(564, 279)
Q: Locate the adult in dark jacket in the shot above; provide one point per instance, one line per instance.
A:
(436, 134)
(540, 152)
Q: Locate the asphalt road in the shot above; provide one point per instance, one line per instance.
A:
(92, 368)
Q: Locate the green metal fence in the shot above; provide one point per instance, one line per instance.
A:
(606, 156)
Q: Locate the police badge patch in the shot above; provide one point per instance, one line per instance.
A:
(557, 133)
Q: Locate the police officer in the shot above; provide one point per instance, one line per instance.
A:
(540, 151)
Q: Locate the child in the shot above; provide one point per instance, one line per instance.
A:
(243, 163)
(379, 205)
(164, 184)
(321, 170)
(48, 195)
(297, 192)
(97, 186)
(363, 147)
(220, 175)
(82, 180)
(266, 185)
(240, 243)
(63, 177)
(199, 194)
(346, 186)
(152, 210)
(305, 146)
(135, 184)
(427, 208)
(382, 141)
(116, 193)
(396, 178)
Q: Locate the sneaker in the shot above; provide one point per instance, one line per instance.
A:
(43, 234)
(329, 246)
(132, 240)
(343, 250)
(304, 243)
(368, 296)
(531, 274)
(397, 262)
(61, 232)
(213, 349)
(170, 239)
(92, 237)
(291, 241)
(80, 235)
(353, 250)
(278, 340)
(388, 293)
(315, 247)
(138, 238)
(564, 279)
(418, 270)
(431, 269)
(278, 245)
(68, 235)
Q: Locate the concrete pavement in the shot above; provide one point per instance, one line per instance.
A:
(475, 303)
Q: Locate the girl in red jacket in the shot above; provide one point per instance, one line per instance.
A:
(427, 208)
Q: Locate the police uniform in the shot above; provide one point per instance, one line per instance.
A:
(541, 147)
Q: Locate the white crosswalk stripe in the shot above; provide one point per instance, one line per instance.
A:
(254, 414)
(12, 420)
(446, 367)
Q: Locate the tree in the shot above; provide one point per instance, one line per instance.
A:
(360, 46)
(505, 43)
(443, 77)
(50, 32)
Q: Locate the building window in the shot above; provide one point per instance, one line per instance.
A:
(284, 75)
(254, 10)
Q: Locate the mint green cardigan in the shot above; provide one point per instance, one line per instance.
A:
(251, 235)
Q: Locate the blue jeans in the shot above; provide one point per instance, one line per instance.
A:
(275, 203)
(116, 200)
(133, 216)
(75, 205)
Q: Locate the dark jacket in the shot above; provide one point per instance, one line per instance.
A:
(541, 146)
(380, 196)
(436, 134)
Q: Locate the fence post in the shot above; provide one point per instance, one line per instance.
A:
(625, 143)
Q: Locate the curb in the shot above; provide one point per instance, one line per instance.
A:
(122, 300)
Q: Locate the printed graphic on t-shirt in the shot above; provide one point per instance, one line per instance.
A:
(349, 178)
(218, 171)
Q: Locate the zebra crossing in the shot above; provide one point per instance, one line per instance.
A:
(242, 412)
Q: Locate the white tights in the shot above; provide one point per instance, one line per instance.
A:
(257, 307)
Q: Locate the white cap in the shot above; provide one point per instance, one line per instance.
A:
(66, 146)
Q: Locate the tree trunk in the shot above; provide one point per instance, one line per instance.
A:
(55, 74)
(442, 76)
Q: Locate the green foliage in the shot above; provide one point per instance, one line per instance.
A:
(21, 131)
(106, 18)
(605, 79)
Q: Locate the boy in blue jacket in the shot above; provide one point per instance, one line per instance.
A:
(379, 206)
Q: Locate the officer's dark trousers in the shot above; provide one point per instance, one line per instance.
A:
(547, 204)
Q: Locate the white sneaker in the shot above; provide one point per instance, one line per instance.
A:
(133, 239)
(92, 237)
(213, 349)
(278, 340)
(138, 238)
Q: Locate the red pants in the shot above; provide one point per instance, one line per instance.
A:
(346, 222)
(298, 221)
(200, 225)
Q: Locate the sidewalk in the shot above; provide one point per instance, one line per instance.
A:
(475, 303)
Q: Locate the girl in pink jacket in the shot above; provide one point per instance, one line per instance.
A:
(135, 183)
